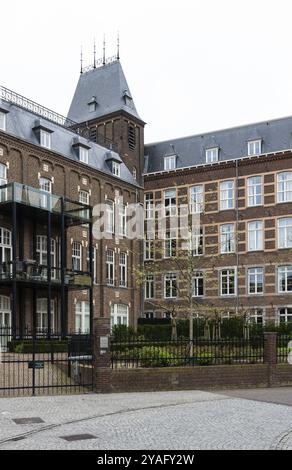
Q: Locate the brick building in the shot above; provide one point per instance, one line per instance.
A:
(58, 269)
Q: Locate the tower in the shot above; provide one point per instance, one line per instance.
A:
(103, 107)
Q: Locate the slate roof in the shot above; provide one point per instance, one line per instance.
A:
(276, 135)
(108, 86)
(21, 123)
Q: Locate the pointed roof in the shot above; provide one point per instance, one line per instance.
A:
(107, 88)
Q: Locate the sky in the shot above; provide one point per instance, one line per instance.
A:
(192, 65)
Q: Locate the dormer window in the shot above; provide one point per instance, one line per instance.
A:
(83, 154)
(116, 170)
(134, 173)
(2, 121)
(212, 155)
(254, 147)
(92, 104)
(170, 162)
(128, 99)
(45, 139)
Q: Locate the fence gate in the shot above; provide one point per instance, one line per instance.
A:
(35, 364)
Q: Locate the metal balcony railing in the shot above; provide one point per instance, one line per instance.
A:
(33, 197)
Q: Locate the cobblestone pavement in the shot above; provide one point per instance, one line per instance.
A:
(161, 420)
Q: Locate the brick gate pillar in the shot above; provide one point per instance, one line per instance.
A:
(270, 354)
(102, 356)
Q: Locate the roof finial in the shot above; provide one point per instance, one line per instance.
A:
(94, 54)
(81, 61)
(103, 50)
(118, 46)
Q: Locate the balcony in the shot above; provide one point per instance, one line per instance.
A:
(31, 272)
(74, 212)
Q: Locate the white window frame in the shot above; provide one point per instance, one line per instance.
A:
(170, 162)
(149, 206)
(148, 248)
(116, 169)
(254, 198)
(197, 278)
(212, 155)
(123, 264)
(84, 197)
(42, 254)
(76, 256)
(45, 139)
(170, 243)
(256, 314)
(122, 220)
(119, 315)
(285, 271)
(227, 195)
(42, 315)
(255, 235)
(227, 238)
(197, 241)
(83, 154)
(110, 216)
(284, 186)
(228, 278)
(197, 199)
(3, 174)
(170, 278)
(254, 147)
(170, 202)
(110, 267)
(287, 315)
(285, 232)
(149, 288)
(82, 310)
(258, 273)
(2, 121)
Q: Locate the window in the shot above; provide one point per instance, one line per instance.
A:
(5, 253)
(110, 267)
(76, 256)
(170, 244)
(227, 195)
(170, 162)
(134, 173)
(5, 320)
(255, 235)
(93, 264)
(3, 181)
(285, 233)
(284, 279)
(257, 316)
(170, 286)
(212, 155)
(45, 139)
(254, 147)
(122, 220)
(197, 241)
(110, 217)
(42, 255)
(254, 191)
(116, 169)
(149, 315)
(149, 287)
(255, 280)
(198, 285)
(170, 202)
(149, 206)
(123, 269)
(45, 185)
(148, 248)
(131, 137)
(42, 315)
(119, 315)
(92, 106)
(84, 197)
(2, 121)
(82, 317)
(83, 154)
(285, 314)
(227, 238)
(196, 199)
(284, 187)
(227, 284)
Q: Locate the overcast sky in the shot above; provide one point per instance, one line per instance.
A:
(192, 65)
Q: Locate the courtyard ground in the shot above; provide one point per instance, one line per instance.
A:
(234, 419)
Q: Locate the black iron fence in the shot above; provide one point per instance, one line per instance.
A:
(31, 363)
(135, 352)
(284, 349)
